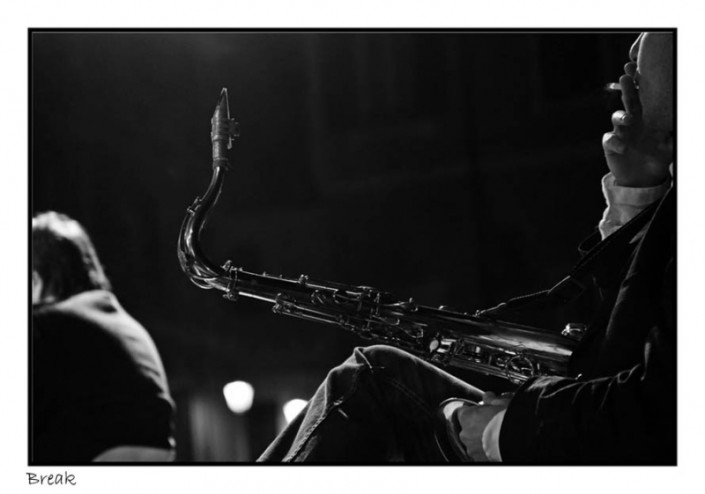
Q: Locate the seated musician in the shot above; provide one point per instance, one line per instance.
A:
(98, 387)
(616, 405)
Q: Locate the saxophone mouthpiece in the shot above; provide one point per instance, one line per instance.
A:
(223, 128)
(222, 108)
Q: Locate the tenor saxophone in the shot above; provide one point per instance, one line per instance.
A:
(444, 337)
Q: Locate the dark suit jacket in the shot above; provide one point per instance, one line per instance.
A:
(618, 405)
(97, 381)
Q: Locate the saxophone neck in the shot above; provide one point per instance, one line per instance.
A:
(194, 263)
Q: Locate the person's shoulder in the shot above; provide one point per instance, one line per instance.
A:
(91, 313)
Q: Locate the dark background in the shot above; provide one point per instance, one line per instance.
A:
(458, 168)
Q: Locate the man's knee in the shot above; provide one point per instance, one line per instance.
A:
(384, 356)
(376, 360)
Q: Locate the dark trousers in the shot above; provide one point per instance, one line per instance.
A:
(378, 406)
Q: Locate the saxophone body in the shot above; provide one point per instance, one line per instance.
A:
(443, 337)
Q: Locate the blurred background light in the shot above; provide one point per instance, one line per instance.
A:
(292, 408)
(239, 396)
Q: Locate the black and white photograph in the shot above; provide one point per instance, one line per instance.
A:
(352, 247)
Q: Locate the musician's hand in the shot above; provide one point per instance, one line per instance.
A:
(490, 398)
(474, 419)
(636, 155)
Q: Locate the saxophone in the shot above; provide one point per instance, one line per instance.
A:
(441, 336)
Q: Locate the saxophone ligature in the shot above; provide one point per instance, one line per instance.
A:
(443, 337)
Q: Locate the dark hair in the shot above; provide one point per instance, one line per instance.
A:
(64, 256)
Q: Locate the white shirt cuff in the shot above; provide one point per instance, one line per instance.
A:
(490, 437)
(623, 203)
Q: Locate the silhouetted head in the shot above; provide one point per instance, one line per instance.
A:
(64, 261)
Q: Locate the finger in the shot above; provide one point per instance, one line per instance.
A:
(630, 96)
(488, 397)
(465, 438)
(630, 69)
(621, 118)
(612, 144)
(494, 400)
(464, 415)
(502, 402)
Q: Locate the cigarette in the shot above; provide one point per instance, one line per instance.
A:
(613, 86)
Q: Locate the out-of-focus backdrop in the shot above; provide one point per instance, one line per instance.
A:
(458, 168)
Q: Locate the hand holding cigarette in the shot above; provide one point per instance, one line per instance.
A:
(636, 155)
